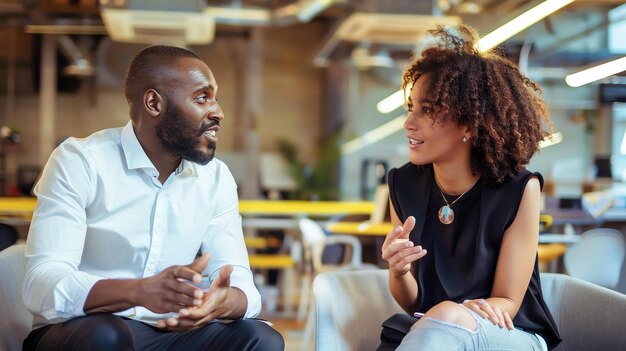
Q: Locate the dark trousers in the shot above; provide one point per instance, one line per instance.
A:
(108, 332)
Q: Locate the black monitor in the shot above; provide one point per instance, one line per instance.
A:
(603, 167)
(570, 203)
(610, 93)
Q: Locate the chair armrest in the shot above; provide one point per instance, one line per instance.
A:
(350, 308)
(351, 305)
(589, 317)
(15, 321)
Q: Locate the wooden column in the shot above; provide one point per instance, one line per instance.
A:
(47, 97)
(250, 84)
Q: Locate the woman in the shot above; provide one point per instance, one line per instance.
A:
(465, 210)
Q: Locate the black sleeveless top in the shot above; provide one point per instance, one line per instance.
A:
(462, 256)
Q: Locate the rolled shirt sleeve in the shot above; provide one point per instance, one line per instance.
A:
(224, 240)
(241, 278)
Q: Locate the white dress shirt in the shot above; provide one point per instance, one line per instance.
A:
(102, 213)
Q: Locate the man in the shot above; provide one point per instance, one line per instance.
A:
(121, 216)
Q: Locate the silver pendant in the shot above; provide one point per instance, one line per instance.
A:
(446, 215)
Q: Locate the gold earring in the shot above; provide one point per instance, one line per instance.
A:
(464, 139)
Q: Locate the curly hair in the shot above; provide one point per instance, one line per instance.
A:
(487, 93)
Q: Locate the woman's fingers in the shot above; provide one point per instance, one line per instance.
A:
(415, 256)
(508, 321)
(392, 236)
(495, 314)
(400, 232)
(407, 255)
(394, 248)
(489, 310)
(408, 226)
(499, 315)
(401, 261)
(478, 306)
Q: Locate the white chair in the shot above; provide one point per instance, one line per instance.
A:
(314, 240)
(597, 257)
(351, 306)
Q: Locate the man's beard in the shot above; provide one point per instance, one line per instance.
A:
(181, 139)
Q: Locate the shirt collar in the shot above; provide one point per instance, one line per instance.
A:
(136, 157)
(133, 152)
(187, 168)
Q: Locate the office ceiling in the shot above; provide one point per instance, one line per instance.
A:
(554, 40)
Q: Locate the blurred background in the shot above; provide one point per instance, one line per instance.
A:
(313, 112)
(300, 81)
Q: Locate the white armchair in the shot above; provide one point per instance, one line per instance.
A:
(16, 320)
(314, 241)
(350, 307)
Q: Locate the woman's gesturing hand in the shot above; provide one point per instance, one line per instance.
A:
(398, 251)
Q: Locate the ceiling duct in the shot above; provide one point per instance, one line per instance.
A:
(465, 6)
(78, 56)
(401, 29)
(364, 57)
(157, 21)
(190, 22)
(296, 12)
(389, 23)
(79, 64)
(11, 8)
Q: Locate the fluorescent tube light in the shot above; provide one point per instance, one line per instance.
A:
(238, 13)
(551, 139)
(374, 135)
(390, 103)
(492, 39)
(596, 73)
(520, 23)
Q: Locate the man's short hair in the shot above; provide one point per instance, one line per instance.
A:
(145, 66)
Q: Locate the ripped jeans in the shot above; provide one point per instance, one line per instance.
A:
(432, 334)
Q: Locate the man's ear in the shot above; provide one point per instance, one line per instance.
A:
(153, 102)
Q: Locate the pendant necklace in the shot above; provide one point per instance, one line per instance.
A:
(446, 214)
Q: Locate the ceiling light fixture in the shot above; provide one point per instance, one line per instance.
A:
(363, 58)
(373, 136)
(494, 38)
(390, 103)
(596, 73)
(551, 139)
(520, 23)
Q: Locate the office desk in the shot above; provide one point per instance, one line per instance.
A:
(573, 217)
(360, 228)
(556, 238)
(304, 208)
(17, 207)
(551, 246)
(24, 207)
